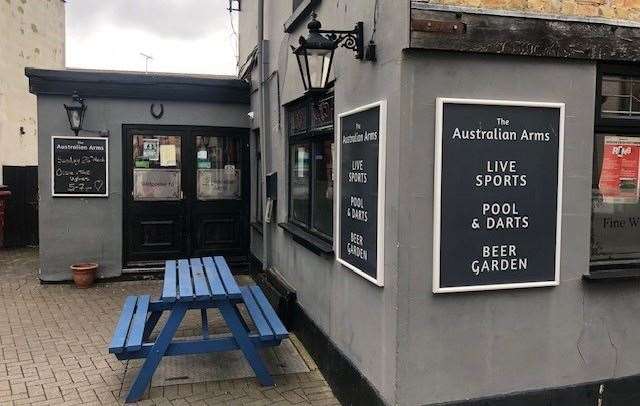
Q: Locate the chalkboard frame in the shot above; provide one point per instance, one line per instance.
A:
(437, 194)
(71, 137)
(382, 142)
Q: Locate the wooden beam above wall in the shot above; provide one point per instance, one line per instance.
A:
(520, 35)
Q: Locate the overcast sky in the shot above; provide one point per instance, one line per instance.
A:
(188, 36)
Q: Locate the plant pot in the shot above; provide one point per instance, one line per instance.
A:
(84, 274)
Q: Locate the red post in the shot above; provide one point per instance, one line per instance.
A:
(4, 196)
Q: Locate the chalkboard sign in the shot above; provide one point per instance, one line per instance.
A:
(360, 192)
(79, 166)
(498, 194)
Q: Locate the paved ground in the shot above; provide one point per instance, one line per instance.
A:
(54, 339)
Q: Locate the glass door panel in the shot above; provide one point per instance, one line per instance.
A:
(156, 168)
(218, 168)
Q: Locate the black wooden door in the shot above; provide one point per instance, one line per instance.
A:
(219, 208)
(186, 194)
(21, 217)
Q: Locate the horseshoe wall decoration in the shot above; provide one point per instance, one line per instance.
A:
(157, 115)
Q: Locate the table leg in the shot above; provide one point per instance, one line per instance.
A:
(157, 352)
(246, 346)
(151, 323)
(205, 324)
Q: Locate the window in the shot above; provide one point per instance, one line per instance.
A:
(157, 168)
(258, 180)
(311, 172)
(218, 162)
(615, 212)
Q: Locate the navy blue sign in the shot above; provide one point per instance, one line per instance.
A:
(361, 191)
(498, 195)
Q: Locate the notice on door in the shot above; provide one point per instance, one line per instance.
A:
(498, 195)
(360, 197)
(79, 166)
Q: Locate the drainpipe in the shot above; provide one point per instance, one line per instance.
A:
(264, 134)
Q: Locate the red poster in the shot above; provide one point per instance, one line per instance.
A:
(619, 173)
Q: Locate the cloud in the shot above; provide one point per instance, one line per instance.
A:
(192, 36)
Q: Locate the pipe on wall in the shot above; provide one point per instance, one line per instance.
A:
(264, 133)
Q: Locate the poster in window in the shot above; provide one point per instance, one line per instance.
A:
(619, 171)
(151, 149)
(168, 155)
(360, 191)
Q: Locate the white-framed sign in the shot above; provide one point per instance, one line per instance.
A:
(79, 166)
(360, 190)
(497, 194)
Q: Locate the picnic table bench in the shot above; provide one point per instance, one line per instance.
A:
(195, 284)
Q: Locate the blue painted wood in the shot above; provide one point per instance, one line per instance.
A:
(246, 346)
(122, 327)
(187, 347)
(156, 353)
(274, 321)
(184, 281)
(169, 286)
(215, 284)
(199, 280)
(136, 331)
(256, 315)
(230, 285)
(151, 323)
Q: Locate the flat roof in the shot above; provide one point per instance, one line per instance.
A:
(138, 85)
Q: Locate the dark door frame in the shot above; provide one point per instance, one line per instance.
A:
(188, 169)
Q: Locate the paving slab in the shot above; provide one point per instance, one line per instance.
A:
(54, 340)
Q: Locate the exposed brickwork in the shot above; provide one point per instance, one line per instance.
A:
(53, 349)
(612, 9)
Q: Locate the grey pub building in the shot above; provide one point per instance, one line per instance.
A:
(443, 201)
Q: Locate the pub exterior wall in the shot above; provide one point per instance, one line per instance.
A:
(357, 316)
(32, 35)
(90, 229)
(470, 345)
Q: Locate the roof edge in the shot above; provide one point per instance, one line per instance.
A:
(137, 85)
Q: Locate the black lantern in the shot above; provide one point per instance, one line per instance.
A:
(315, 53)
(75, 113)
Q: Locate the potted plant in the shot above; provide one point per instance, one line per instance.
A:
(84, 274)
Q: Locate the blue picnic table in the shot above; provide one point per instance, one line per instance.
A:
(195, 284)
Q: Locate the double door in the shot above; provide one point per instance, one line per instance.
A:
(185, 194)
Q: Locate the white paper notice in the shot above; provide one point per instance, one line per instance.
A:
(167, 155)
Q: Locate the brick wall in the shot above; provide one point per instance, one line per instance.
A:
(32, 33)
(613, 9)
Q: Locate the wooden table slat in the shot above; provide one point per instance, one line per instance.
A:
(233, 291)
(122, 328)
(265, 331)
(184, 281)
(217, 288)
(269, 313)
(169, 287)
(199, 279)
(134, 341)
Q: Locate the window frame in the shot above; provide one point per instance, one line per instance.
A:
(314, 136)
(611, 125)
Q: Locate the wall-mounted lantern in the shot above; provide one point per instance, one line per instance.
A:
(75, 113)
(315, 53)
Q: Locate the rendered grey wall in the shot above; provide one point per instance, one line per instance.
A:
(90, 229)
(468, 345)
(358, 317)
